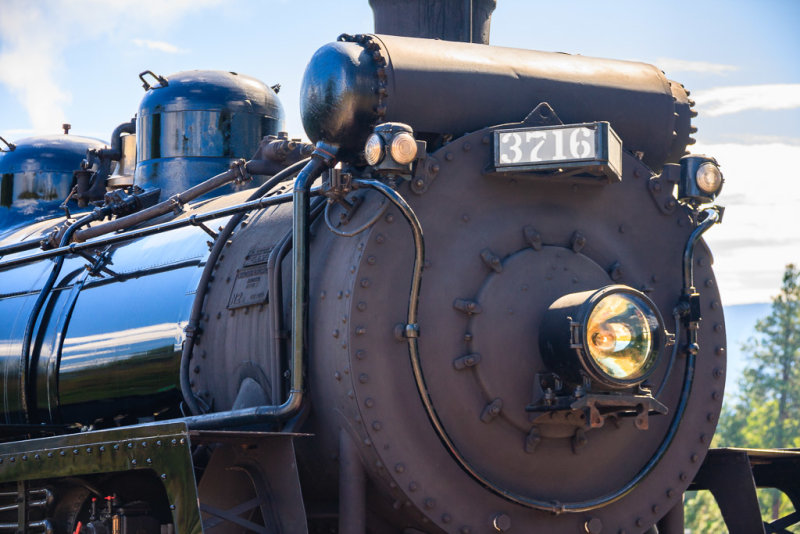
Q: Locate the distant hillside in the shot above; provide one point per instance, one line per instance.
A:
(740, 322)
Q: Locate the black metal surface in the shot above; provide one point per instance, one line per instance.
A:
(446, 88)
(452, 20)
(198, 123)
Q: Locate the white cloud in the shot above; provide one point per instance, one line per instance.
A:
(671, 65)
(759, 233)
(34, 36)
(726, 100)
(160, 46)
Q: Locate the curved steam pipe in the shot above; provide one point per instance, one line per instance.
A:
(323, 157)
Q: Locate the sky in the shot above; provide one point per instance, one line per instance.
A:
(78, 61)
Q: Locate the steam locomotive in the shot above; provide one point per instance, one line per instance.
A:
(478, 302)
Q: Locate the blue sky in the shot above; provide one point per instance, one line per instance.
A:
(78, 61)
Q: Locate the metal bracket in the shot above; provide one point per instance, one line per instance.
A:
(661, 188)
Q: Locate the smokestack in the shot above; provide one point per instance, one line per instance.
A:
(450, 20)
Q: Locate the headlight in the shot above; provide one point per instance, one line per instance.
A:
(404, 148)
(709, 178)
(373, 150)
(700, 181)
(612, 335)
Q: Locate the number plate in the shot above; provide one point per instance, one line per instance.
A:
(592, 148)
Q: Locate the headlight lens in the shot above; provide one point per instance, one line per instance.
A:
(373, 150)
(619, 336)
(709, 178)
(404, 148)
(613, 335)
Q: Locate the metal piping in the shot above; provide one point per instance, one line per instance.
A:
(323, 157)
(412, 332)
(27, 339)
(236, 171)
(713, 216)
(74, 248)
(205, 278)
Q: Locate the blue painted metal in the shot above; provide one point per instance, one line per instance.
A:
(36, 176)
(196, 125)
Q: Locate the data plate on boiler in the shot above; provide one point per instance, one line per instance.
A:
(593, 148)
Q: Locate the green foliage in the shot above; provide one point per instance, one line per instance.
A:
(766, 413)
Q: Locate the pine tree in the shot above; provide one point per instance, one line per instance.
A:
(773, 377)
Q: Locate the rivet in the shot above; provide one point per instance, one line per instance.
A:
(400, 467)
(639, 522)
(335, 333)
(62, 452)
(371, 260)
(501, 522)
(133, 462)
(347, 294)
(49, 455)
(163, 476)
(419, 183)
(350, 394)
(709, 283)
(360, 354)
(75, 451)
(397, 505)
(637, 173)
(694, 457)
(430, 503)
(130, 445)
(655, 509)
(361, 306)
(670, 493)
(365, 282)
(352, 269)
(717, 373)
(24, 457)
(337, 375)
(369, 402)
(12, 459)
(37, 457)
(413, 486)
(468, 337)
(593, 526)
(719, 351)
(465, 530)
(467, 147)
(339, 295)
(485, 141)
(116, 446)
(715, 395)
(446, 518)
(622, 228)
(654, 278)
(449, 156)
(344, 319)
(367, 442)
(710, 417)
(322, 295)
(171, 506)
(379, 239)
(363, 378)
(393, 485)
(435, 168)
(377, 425)
(389, 218)
(149, 461)
(88, 450)
(702, 438)
(465, 218)
(360, 330)
(718, 327)
(683, 477)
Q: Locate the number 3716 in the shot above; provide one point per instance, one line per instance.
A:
(546, 145)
